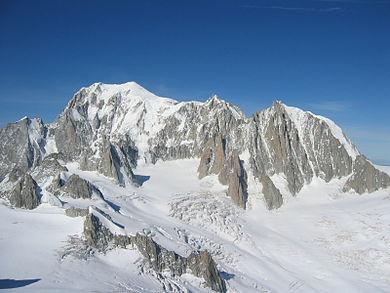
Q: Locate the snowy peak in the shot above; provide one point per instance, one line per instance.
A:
(115, 156)
(214, 100)
(101, 93)
(307, 123)
(301, 119)
(125, 123)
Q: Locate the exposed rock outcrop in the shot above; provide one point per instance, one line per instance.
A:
(108, 128)
(202, 265)
(113, 161)
(15, 174)
(366, 178)
(160, 259)
(72, 132)
(276, 147)
(26, 193)
(21, 145)
(76, 212)
(236, 179)
(74, 186)
(50, 166)
(214, 160)
(273, 197)
(186, 132)
(99, 237)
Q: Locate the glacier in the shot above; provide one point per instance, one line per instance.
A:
(282, 200)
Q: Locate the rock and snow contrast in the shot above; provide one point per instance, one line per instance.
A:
(130, 192)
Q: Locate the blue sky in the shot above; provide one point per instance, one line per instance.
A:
(331, 57)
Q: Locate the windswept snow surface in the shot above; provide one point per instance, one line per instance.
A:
(320, 241)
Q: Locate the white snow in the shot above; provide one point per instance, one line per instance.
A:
(76, 115)
(50, 146)
(319, 241)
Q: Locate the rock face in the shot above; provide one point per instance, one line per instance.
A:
(365, 178)
(25, 194)
(113, 161)
(49, 166)
(214, 160)
(273, 197)
(199, 264)
(213, 157)
(109, 128)
(77, 187)
(300, 145)
(160, 258)
(236, 177)
(76, 212)
(74, 187)
(21, 145)
(96, 234)
(187, 128)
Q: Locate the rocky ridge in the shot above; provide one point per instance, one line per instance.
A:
(198, 263)
(109, 128)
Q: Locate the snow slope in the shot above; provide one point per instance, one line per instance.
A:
(320, 241)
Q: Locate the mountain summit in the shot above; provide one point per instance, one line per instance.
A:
(111, 127)
(89, 163)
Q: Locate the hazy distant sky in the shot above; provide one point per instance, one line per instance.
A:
(331, 57)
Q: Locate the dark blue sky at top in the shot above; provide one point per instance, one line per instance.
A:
(331, 57)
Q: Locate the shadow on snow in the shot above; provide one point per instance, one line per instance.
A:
(12, 283)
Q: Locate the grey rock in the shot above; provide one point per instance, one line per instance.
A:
(160, 259)
(77, 187)
(298, 149)
(113, 159)
(15, 174)
(26, 193)
(366, 178)
(76, 212)
(199, 264)
(186, 133)
(90, 141)
(213, 157)
(236, 177)
(276, 148)
(21, 145)
(96, 234)
(72, 132)
(280, 140)
(74, 186)
(49, 166)
(272, 195)
(229, 168)
(202, 265)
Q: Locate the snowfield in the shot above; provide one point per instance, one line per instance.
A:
(320, 241)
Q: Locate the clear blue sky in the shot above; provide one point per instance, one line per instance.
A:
(328, 56)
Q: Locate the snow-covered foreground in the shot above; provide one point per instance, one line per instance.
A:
(319, 241)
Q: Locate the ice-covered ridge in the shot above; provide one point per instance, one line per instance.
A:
(216, 100)
(129, 89)
(299, 117)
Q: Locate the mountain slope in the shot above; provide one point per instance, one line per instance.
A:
(129, 161)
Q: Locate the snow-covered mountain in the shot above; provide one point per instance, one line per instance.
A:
(153, 173)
